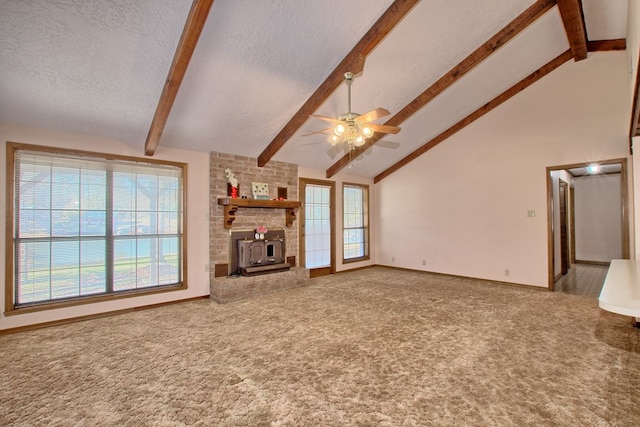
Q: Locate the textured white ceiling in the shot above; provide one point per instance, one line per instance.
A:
(98, 67)
(93, 67)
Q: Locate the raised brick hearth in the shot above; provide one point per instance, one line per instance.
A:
(226, 289)
(245, 169)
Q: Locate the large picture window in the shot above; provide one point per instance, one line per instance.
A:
(87, 226)
(355, 205)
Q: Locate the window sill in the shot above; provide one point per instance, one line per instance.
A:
(36, 307)
(352, 260)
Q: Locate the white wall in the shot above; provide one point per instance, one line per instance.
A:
(633, 56)
(462, 207)
(633, 44)
(197, 220)
(598, 218)
(339, 179)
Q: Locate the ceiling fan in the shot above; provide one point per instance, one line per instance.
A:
(351, 130)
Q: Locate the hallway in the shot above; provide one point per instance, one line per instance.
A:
(583, 279)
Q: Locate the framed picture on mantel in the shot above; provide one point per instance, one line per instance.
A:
(260, 190)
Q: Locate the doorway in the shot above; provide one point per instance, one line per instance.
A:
(562, 244)
(317, 226)
(563, 200)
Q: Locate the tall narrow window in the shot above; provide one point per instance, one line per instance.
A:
(87, 226)
(317, 226)
(355, 207)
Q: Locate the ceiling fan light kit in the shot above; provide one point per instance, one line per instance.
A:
(351, 129)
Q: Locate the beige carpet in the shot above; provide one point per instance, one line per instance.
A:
(374, 347)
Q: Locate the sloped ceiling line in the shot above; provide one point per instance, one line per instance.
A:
(498, 100)
(187, 44)
(595, 46)
(521, 22)
(353, 61)
(573, 20)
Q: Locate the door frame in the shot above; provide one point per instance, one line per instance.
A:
(302, 182)
(563, 195)
(624, 196)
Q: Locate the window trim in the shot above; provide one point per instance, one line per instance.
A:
(367, 210)
(10, 309)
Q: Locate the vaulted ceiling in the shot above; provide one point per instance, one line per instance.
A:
(260, 67)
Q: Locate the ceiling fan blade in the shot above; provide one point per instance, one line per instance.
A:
(315, 132)
(333, 151)
(372, 115)
(388, 144)
(312, 143)
(328, 119)
(383, 128)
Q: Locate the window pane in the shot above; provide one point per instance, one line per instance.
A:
(65, 269)
(65, 188)
(124, 269)
(93, 190)
(32, 277)
(167, 223)
(146, 268)
(168, 196)
(93, 274)
(65, 223)
(146, 192)
(124, 192)
(169, 261)
(354, 243)
(35, 194)
(145, 224)
(123, 223)
(93, 223)
(34, 223)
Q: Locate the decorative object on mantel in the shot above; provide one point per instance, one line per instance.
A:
(260, 190)
(233, 189)
(261, 230)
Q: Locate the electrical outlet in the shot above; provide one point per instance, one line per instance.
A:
(507, 272)
(424, 262)
(531, 214)
(393, 259)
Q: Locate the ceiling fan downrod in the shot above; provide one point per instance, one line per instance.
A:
(348, 78)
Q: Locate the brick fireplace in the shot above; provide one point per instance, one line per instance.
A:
(279, 176)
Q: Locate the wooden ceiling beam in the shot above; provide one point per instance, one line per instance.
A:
(525, 19)
(353, 62)
(573, 19)
(187, 44)
(504, 96)
(607, 45)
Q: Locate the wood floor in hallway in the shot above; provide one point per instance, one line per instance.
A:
(583, 279)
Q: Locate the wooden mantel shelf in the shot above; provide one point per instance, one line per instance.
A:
(232, 205)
